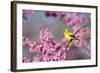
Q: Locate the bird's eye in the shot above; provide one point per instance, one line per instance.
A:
(72, 36)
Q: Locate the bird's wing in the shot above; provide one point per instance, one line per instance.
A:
(67, 34)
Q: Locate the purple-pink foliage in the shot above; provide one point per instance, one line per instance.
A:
(48, 48)
(26, 13)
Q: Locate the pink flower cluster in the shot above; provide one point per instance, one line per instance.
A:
(54, 14)
(48, 49)
(73, 19)
(26, 13)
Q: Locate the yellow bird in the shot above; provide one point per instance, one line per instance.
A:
(69, 35)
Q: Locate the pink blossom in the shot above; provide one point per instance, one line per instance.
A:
(26, 60)
(29, 43)
(46, 35)
(37, 59)
(26, 13)
(73, 19)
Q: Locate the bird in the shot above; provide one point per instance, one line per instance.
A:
(68, 35)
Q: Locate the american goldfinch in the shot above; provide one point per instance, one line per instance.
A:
(69, 35)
